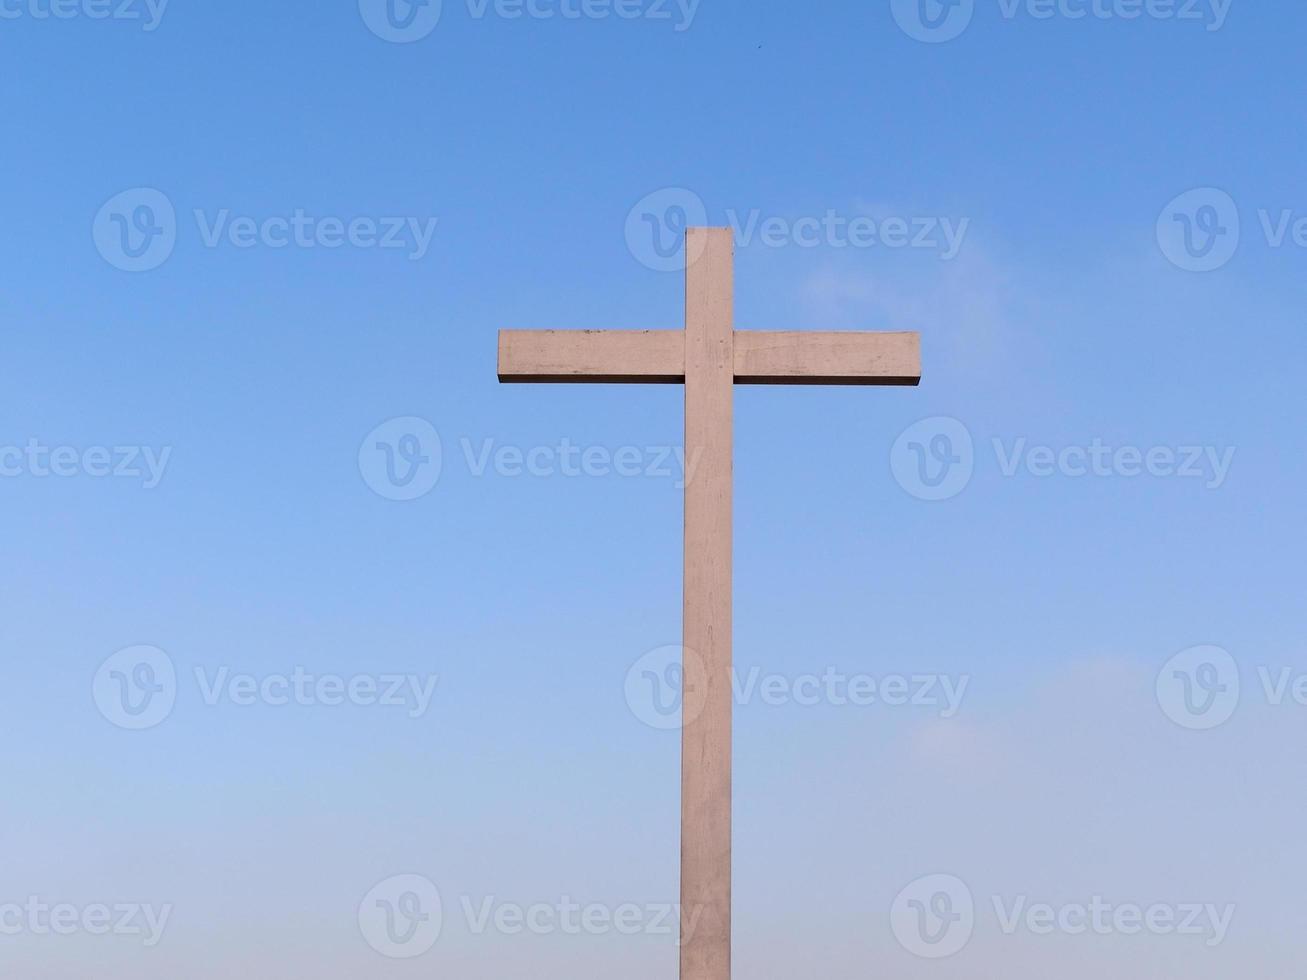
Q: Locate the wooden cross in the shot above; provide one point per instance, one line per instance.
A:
(709, 357)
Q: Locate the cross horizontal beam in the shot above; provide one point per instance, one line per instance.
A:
(761, 357)
(620, 356)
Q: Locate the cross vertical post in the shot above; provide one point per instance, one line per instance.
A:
(706, 730)
(710, 357)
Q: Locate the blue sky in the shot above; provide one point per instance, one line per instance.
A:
(240, 388)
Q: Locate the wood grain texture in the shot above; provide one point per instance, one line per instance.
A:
(706, 732)
(827, 358)
(596, 356)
